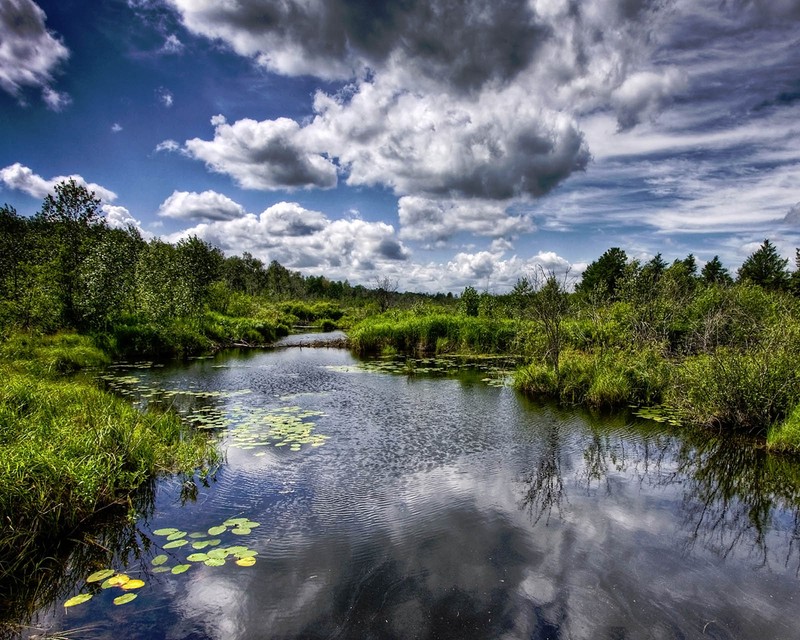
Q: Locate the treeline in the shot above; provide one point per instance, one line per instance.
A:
(697, 344)
(65, 268)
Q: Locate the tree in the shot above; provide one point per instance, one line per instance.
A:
(605, 273)
(70, 221)
(385, 290)
(470, 302)
(550, 305)
(13, 251)
(766, 268)
(714, 273)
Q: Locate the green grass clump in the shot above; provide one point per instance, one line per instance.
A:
(52, 354)
(786, 435)
(408, 332)
(70, 449)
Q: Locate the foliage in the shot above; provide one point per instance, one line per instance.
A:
(766, 268)
(604, 274)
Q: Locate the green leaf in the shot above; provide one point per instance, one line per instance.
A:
(125, 599)
(176, 536)
(218, 554)
(159, 560)
(232, 522)
(202, 544)
(181, 568)
(79, 599)
(176, 543)
(240, 531)
(197, 557)
(215, 531)
(165, 532)
(97, 576)
(215, 562)
(162, 569)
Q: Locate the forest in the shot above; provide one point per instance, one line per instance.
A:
(678, 343)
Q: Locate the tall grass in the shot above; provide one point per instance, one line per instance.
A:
(432, 333)
(69, 449)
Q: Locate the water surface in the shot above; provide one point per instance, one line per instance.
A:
(440, 506)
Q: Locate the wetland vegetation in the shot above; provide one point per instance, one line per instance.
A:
(683, 346)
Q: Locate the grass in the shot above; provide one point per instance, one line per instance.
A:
(69, 450)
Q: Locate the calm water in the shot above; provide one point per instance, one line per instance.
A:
(446, 507)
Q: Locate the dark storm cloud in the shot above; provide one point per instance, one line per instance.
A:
(466, 43)
(29, 54)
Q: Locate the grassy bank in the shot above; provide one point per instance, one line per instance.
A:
(69, 449)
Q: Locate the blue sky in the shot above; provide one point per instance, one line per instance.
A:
(437, 142)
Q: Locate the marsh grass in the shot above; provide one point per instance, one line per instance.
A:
(69, 449)
(408, 332)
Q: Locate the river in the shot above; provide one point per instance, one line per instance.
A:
(431, 501)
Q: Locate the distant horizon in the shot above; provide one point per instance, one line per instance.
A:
(438, 147)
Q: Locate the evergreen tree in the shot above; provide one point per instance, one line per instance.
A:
(765, 268)
(714, 273)
(605, 273)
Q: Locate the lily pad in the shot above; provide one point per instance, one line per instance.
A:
(246, 562)
(236, 550)
(215, 562)
(125, 599)
(247, 553)
(115, 581)
(97, 576)
(159, 560)
(176, 543)
(79, 599)
(176, 536)
(218, 554)
(232, 522)
(240, 531)
(215, 531)
(201, 544)
(250, 525)
(197, 557)
(132, 584)
(181, 568)
(198, 534)
(166, 532)
(162, 569)
(214, 542)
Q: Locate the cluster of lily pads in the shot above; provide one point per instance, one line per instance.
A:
(498, 371)
(205, 546)
(109, 579)
(283, 427)
(660, 414)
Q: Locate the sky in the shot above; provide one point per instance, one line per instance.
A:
(439, 143)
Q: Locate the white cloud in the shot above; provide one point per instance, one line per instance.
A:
(29, 53)
(169, 146)
(116, 127)
(206, 206)
(172, 45)
(436, 220)
(165, 97)
(300, 238)
(21, 178)
(267, 155)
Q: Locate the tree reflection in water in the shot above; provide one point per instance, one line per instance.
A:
(735, 494)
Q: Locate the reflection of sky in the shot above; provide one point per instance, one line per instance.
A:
(411, 523)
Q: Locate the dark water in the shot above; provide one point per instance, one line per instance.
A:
(446, 507)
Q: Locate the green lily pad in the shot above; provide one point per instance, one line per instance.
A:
(165, 532)
(247, 553)
(125, 599)
(215, 531)
(181, 568)
(214, 542)
(215, 562)
(115, 581)
(232, 522)
(240, 531)
(176, 536)
(250, 525)
(97, 576)
(198, 534)
(159, 560)
(176, 543)
(237, 549)
(202, 544)
(197, 557)
(162, 569)
(79, 599)
(218, 554)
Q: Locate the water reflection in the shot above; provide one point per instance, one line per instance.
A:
(447, 508)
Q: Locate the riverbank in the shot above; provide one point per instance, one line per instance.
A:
(70, 449)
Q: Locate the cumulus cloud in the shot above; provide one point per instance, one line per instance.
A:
(21, 178)
(172, 45)
(438, 220)
(29, 53)
(267, 155)
(205, 206)
(303, 239)
(116, 127)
